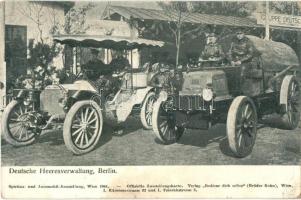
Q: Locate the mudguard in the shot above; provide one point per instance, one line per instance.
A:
(124, 109)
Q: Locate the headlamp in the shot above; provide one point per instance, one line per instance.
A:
(207, 94)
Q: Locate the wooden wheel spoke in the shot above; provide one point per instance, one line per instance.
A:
(246, 110)
(16, 113)
(249, 114)
(17, 131)
(163, 124)
(77, 131)
(15, 125)
(86, 114)
(93, 120)
(82, 138)
(90, 115)
(169, 133)
(21, 133)
(82, 115)
(76, 126)
(238, 127)
(21, 111)
(164, 129)
(78, 137)
(92, 127)
(240, 136)
(14, 120)
(86, 138)
(90, 133)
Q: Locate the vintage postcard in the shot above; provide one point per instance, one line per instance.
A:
(150, 99)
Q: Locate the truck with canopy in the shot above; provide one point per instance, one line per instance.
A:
(210, 95)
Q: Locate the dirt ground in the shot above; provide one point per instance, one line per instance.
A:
(139, 147)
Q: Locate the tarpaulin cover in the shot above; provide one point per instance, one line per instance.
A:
(276, 56)
(108, 42)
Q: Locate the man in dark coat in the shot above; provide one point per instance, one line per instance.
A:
(241, 50)
(212, 51)
(95, 67)
(242, 53)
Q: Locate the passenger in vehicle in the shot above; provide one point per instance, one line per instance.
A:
(242, 53)
(95, 67)
(213, 53)
(119, 63)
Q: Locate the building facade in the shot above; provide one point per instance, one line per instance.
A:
(24, 23)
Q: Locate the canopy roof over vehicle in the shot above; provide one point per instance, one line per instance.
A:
(276, 56)
(108, 42)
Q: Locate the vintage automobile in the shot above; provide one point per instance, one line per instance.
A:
(210, 95)
(81, 105)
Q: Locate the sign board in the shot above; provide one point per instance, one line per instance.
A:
(289, 21)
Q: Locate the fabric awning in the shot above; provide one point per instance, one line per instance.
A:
(108, 42)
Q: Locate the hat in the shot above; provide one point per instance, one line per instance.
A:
(94, 51)
(212, 34)
(239, 30)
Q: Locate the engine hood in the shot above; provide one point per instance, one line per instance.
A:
(77, 85)
(195, 82)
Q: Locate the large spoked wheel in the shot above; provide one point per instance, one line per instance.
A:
(147, 110)
(83, 127)
(289, 98)
(241, 126)
(164, 125)
(18, 124)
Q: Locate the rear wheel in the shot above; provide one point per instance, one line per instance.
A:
(241, 126)
(18, 124)
(147, 110)
(83, 127)
(289, 97)
(164, 125)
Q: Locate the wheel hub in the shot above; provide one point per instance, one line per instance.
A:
(85, 125)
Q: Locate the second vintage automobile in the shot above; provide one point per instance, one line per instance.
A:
(81, 105)
(210, 95)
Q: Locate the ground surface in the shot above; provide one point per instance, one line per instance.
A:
(139, 147)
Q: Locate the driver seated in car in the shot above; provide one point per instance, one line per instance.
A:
(95, 67)
(213, 53)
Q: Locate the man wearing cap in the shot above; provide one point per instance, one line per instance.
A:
(242, 53)
(95, 67)
(212, 52)
(241, 50)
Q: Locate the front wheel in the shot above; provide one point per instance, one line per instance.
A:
(18, 124)
(164, 124)
(83, 127)
(147, 110)
(242, 126)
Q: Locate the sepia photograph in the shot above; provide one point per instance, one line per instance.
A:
(153, 83)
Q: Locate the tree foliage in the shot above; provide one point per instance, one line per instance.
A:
(75, 19)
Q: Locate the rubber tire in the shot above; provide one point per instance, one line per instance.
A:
(285, 123)
(142, 112)
(68, 123)
(156, 111)
(4, 128)
(231, 125)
